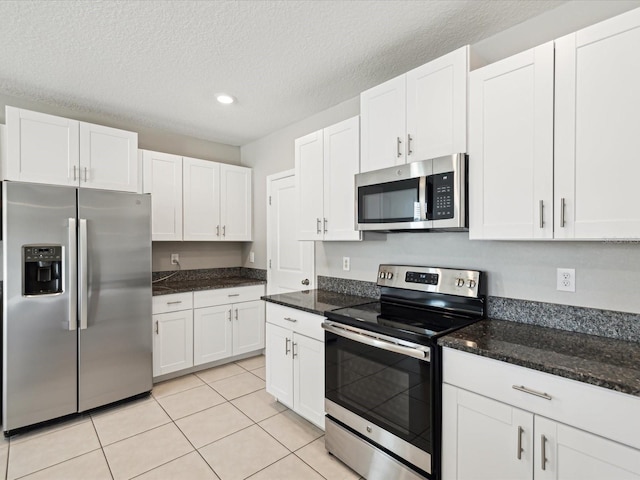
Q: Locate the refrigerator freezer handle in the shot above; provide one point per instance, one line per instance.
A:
(82, 274)
(72, 272)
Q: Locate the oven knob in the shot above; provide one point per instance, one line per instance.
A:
(381, 275)
(389, 275)
(368, 429)
(471, 284)
(460, 282)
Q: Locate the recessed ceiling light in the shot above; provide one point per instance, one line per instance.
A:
(225, 99)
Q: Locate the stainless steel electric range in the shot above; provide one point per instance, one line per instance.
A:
(383, 371)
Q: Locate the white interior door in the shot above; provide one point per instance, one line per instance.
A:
(291, 262)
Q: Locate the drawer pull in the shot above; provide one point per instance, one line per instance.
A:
(174, 303)
(543, 452)
(524, 389)
(233, 295)
(288, 319)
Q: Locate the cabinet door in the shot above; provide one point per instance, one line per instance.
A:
(309, 175)
(572, 454)
(41, 148)
(308, 378)
(279, 367)
(484, 439)
(248, 326)
(235, 202)
(163, 180)
(597, 125)
(172, 342)
(511, 147)
(201, 199)
(108, 158)
(383, 125)
(212, 333)
(437, 107)
(341, 163)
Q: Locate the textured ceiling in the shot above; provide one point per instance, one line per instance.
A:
(159, 62)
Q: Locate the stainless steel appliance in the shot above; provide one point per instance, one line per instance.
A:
(426, 195)
(76, 300)
(383, 371)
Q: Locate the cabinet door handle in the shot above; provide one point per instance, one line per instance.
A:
(520, 432)
(74, 173)
(286, 346)
(236, 314)
(233, 295)
(289, 319)
(524, 389)
(541, 214)
(157, 327)
(293, 349)
(318, 226)
(217, 230)
(85, 174)
(324, 225)
(398, 142)
(562, 205)
(229, 314)
(543, 452)
(224, 230)
(409, 151)
(173, 303)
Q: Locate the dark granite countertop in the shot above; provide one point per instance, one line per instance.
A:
(317, 301)
(600, 361)
(166, 288)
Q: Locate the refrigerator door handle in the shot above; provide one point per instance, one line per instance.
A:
(71, 274)
(82, 274)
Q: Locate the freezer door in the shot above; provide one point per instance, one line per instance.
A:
(114, 251)
(39, 332)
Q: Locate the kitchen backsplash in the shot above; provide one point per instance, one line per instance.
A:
(592, 321)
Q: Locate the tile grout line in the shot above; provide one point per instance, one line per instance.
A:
(52, 465)
(104, 454)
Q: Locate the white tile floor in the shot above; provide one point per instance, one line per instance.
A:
(215, 424)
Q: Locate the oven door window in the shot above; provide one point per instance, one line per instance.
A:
(390, 202)
(388, 389)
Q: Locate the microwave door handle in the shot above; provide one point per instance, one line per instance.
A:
(422, 198)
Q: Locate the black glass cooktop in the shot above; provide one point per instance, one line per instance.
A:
(409, 322)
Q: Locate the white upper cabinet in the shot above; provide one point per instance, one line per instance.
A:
(511, 147)
(57, 151)
(201, 195)
(326, 162)
(596, 130)
(421, 114)
(383, 113)
(216, 201)
(163, 180)
(108, 158)
(235, 202)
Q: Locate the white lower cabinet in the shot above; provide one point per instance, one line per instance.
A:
(192, 329)
(486, 436)
(295, 361)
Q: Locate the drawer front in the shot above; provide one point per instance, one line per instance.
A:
(599, 410)
(172, 303)
(222, 296)
(299, 321)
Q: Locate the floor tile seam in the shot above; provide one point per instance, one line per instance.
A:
(161, 465)
(104, 455)
(272, 436)
(227, 435)
(181, 391)
(106, 445)
(6, 468)
(224, 400)
(223, 378)
(119, 408)
(273, 463)
(52, 465)
(55, 429)
(306, 463)
(262, 419)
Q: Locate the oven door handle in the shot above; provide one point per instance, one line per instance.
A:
(367, 338)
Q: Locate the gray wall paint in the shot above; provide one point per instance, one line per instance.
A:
(192, 254)
(605, 272)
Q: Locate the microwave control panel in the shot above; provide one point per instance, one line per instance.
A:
(442, 196)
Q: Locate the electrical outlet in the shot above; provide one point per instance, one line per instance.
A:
(346, 264)
(566, 279)
(175, 258)
(252, 257)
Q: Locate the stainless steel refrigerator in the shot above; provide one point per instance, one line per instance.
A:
(76, 300)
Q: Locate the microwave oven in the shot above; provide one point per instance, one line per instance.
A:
(425, 195)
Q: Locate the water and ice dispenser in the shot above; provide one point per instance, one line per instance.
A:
(42, 270)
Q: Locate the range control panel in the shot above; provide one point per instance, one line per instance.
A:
(430, 279)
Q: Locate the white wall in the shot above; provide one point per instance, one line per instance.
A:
(605, 272)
